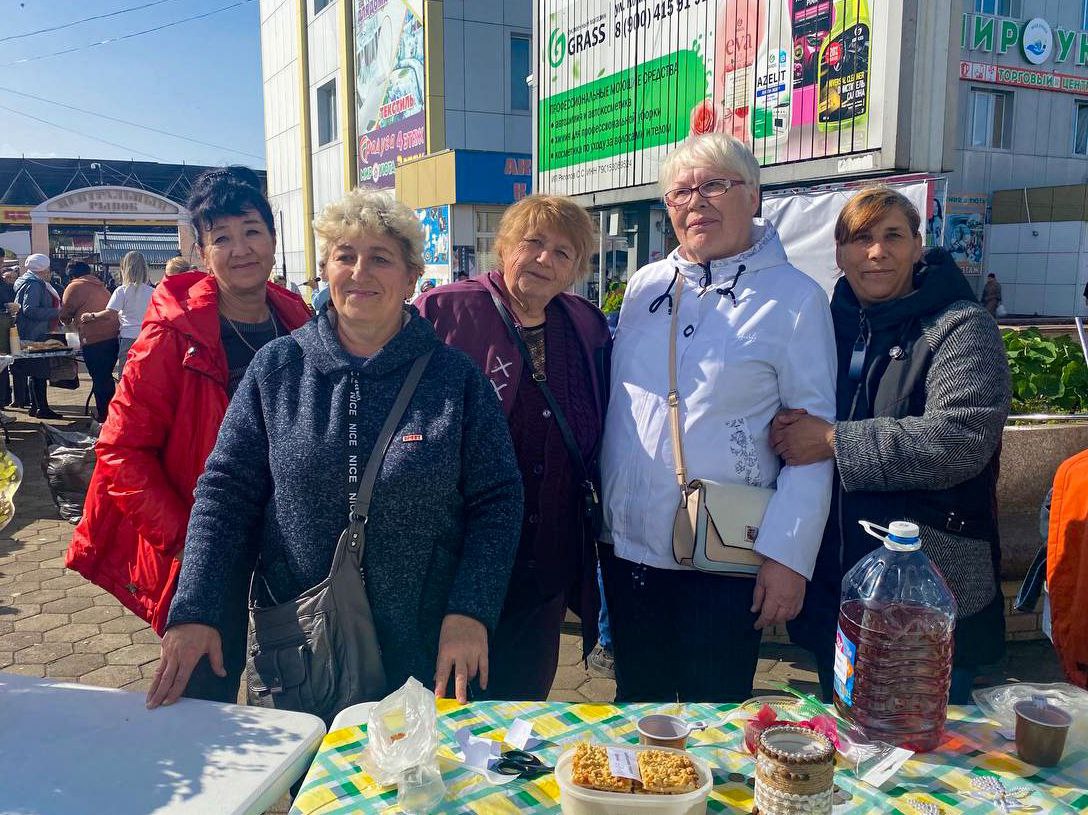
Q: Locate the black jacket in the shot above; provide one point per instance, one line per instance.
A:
(918, 438)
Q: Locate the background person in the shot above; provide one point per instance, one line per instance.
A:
(85, 296)
(441, 528)
(39, 308)
(8, 309)
(201, 332)
(923, 394)
(128, 304)
(543, 245)
(991, 294)
(174, 266)
(754, 333)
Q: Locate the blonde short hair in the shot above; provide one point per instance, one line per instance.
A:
(715, 151)
(177, 266)
(556, 213)
(133, 269)
(376, 212)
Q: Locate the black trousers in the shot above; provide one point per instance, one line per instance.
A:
(676, 634)
(100, 357)
(523, 654)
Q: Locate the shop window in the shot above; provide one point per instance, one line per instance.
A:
(326, 113)
(487, 227)
(1080, 129)
(321, 5)
(1000, 8)
(519, 70)
(991, 119)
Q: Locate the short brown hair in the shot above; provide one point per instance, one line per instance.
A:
(553, 212)
(871, 205)
(176, 266)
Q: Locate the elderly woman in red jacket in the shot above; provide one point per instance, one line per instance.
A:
(199, 335)
(545, 352)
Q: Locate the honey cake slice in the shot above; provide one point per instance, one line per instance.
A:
(590, 769)
(667, 773)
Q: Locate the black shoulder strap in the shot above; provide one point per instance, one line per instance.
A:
(560, 418)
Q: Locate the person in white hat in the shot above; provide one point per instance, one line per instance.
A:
(39, 308)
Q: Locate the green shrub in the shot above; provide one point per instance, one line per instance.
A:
(614, 299)
(1049, 374)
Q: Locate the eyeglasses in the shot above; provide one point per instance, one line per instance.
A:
(714, 188)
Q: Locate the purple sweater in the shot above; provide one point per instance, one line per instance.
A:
(578, 346)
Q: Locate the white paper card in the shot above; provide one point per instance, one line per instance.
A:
(519, 734)
(477, 755)
(887, 766)
(623, 763)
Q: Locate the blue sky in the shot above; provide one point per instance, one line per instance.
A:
(200, 79)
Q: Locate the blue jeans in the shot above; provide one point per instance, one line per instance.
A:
(604, 635)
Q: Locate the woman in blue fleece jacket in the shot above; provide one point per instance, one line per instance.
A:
(444, 521)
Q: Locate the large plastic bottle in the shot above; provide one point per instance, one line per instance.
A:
(774, 86)
(893, 649)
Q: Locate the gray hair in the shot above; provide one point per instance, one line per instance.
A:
(376, 212)
(716, 151)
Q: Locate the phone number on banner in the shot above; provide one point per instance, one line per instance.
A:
(644, 18)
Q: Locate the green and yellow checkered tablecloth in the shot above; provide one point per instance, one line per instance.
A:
(337, 785)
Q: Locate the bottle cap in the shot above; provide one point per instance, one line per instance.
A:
(903, 535)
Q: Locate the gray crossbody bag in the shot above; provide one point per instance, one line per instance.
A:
(319, 653)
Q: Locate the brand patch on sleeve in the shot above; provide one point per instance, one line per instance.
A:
(412, 437)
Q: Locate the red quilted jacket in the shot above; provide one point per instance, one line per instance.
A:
(161, 427)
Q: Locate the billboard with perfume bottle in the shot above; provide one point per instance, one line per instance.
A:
(622, 81)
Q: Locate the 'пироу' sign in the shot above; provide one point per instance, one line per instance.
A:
(1035, 40)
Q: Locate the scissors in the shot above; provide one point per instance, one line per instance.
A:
(520, 763)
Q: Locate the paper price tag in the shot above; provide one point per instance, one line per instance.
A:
(623, 763)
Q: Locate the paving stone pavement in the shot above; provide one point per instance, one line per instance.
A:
(55, 624)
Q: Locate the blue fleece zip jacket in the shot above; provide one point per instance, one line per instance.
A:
(446, 513)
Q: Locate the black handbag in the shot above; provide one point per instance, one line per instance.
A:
(319, 653)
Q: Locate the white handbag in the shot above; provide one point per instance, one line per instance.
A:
(716, 525)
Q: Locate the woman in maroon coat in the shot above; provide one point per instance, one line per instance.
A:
(541, 348)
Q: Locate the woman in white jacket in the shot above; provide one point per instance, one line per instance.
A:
(753, 334)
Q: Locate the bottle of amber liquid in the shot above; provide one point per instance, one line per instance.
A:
(13, 340)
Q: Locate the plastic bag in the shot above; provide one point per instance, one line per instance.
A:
(11, 476)
(67, 464)
(402, 746)
(997, 703)
(1001, 311)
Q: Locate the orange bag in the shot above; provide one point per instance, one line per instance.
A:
(1067, 567)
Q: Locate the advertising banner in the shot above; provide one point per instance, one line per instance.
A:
(436, 242)
(623, 81)
(389, 86)
(964, 228)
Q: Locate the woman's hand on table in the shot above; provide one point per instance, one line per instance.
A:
(800, 439)
(462, 652)
(182, 648)
(778, 595)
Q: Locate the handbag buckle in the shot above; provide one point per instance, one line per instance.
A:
(954, 523)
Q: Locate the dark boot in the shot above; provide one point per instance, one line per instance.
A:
(20, 396)
(39, 400)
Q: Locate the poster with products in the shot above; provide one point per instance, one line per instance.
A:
(622, 81)
(389, 87)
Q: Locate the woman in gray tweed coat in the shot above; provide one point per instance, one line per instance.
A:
(922, 396)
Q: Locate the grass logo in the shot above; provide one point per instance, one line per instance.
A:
(557, 47)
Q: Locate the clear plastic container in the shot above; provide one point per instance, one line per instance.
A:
(575, 800)
(893, 649)
(998, 702)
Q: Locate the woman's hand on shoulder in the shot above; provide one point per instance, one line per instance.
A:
(798, 438)
(182, 648)
(462, 652)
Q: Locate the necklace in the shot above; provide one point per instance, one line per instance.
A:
(271, 318)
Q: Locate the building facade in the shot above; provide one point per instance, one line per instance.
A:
(426, 98)
(1016, 200)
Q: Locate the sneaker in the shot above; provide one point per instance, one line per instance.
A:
(601, 663)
